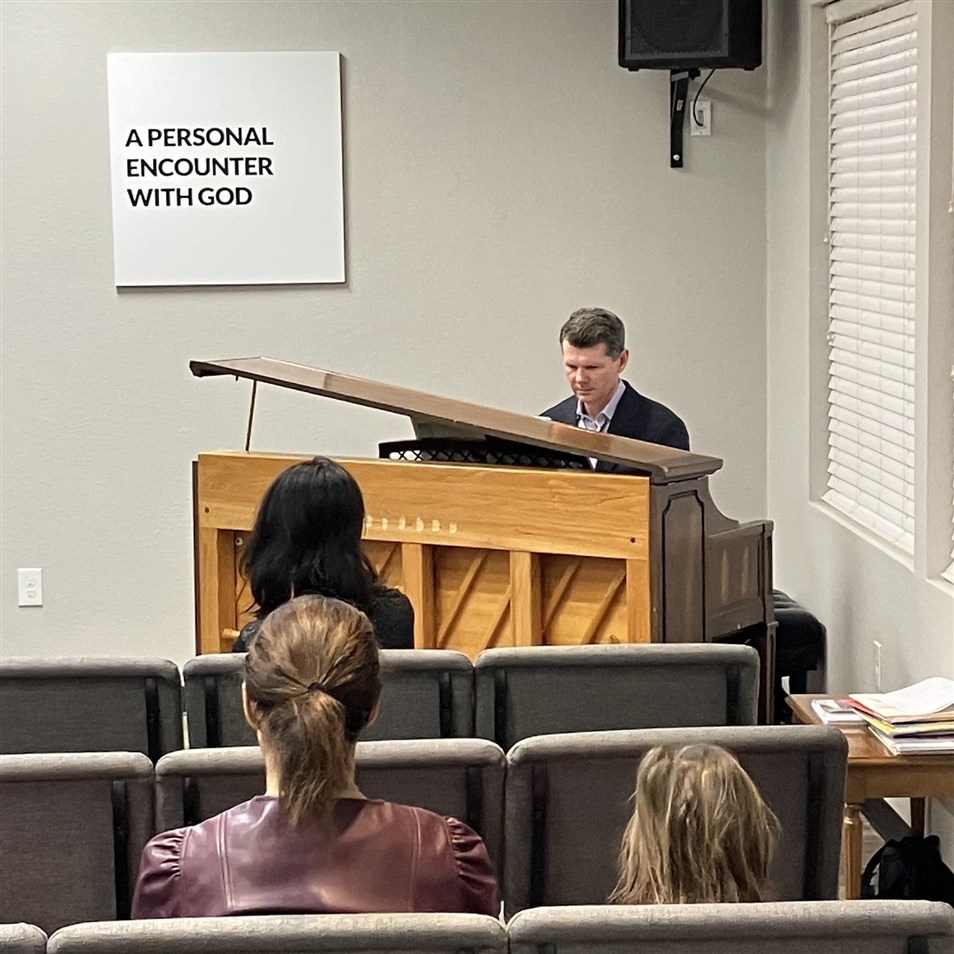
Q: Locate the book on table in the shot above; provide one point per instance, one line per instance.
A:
(916, 745)
(900, 729)
(836, 712)
(913, 720)
(931, 700)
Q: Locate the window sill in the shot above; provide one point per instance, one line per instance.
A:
(863, 533)
(941, 583)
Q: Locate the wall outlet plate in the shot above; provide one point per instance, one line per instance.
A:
(702, 110)
(30, 586)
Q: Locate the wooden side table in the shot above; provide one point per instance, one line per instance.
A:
(874, 772)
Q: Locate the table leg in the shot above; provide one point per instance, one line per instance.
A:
(917, 816)
(851, 847)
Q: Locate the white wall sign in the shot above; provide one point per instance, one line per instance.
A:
(226, 168)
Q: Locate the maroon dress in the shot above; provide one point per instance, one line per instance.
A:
(372, 857)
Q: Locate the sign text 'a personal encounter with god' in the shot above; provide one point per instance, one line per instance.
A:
(158, 170)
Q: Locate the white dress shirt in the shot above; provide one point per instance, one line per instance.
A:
(601, 422)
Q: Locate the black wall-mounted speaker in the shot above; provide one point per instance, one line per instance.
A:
(682, 34)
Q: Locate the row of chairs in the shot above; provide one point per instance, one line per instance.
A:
(815, 927)
(552, 811)
(136, 705)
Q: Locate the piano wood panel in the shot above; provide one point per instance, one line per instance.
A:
(538, 511)
(584, 601)
(472, 597)
(479, 551)
(488, 598)
(385, 557)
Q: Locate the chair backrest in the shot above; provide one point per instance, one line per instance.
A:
(459, 777)
(22, 939)
(425, 695)
(523, 692)
(786, 927)
(72, 829)
(90, 705)
(196, 784)
(290, 934)
(213, 701)
(568, 799)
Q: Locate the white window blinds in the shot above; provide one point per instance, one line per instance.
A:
(872, 170)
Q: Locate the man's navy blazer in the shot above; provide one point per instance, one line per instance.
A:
(636, 416)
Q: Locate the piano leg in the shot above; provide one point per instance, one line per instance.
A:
(764, 643)
(761, 637)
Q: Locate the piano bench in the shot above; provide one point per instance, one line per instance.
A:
(799, 649)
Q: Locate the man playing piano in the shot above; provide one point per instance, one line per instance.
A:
(594, 357)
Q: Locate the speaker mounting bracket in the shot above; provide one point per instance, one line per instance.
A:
(678, 93)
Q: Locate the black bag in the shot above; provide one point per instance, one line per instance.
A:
(909, 869)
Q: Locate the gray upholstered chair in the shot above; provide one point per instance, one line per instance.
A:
(459, 777)
(290, 934)
(426, 695)
(198, 783)
(785, 927)
(72, 829)
(568, 800)
(22, 939)
(213, 701)
(525, 692)
(90, 705)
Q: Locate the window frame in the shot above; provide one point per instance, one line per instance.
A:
(934, 302)
(871, 487)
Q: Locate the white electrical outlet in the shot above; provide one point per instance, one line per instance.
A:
(30, 586)
(703, 112)
(877, 662)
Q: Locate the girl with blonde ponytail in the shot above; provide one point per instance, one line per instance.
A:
(313, 843)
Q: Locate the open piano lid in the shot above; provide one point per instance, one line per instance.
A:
(430, 413)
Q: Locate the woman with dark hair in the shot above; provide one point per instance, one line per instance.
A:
(307, 539)
(313, 844)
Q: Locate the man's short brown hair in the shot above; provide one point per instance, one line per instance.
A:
(588, 327)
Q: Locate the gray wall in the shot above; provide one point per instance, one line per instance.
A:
(501, 170)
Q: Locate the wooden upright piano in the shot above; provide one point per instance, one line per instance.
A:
(500, 533)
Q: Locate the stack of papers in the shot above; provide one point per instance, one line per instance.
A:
(836, 712)
(917, 719)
